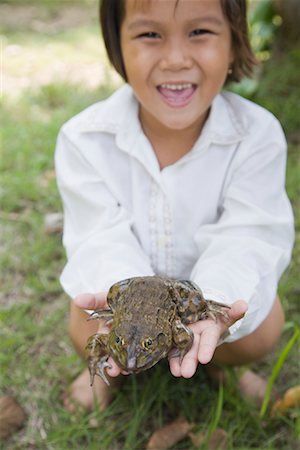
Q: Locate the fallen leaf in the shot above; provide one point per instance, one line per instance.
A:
(169, 435)
(291, 399)
(217, 441)
(12, 416)
(197, 438)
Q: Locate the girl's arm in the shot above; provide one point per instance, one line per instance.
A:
(244, 254)
(100, 245)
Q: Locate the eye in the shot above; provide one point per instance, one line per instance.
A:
(200, 32)
(119, 340)
(149, 35)
(147, 343)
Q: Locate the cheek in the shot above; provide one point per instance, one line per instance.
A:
(138, 60)
(132, 56)
(215, 57)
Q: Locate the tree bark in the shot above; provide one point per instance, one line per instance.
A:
(289, 33)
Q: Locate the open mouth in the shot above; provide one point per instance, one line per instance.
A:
(177, 94)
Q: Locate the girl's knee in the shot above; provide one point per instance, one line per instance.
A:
(263, 340)
(271, 328)
(79, 328)
(257, 344)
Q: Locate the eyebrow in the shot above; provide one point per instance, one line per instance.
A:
(197, 21)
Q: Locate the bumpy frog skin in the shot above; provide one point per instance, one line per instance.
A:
(148, 318)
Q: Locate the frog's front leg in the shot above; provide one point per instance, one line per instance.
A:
(96, 354)
(183, 339)
(106, 314)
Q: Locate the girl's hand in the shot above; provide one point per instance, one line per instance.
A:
(206, 337)
(98, 301)
(91, 301)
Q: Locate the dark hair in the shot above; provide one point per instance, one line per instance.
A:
(112, 13)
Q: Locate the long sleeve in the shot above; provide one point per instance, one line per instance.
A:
(100, 244)
(246, 251)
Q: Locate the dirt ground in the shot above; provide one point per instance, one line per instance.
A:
(33, 54)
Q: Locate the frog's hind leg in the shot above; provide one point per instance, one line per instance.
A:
(192, 306)
(183, 339)
(97, 357)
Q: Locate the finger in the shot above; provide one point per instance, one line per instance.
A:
(190, 361)
(237, 310)
(175, 367)
(208, 343)
(91, 301)
(114, 370)
(235, 313)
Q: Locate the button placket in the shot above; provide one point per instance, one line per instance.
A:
(153, 232)
(169, 247)
(160, 230)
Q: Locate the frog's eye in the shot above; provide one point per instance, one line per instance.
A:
(119, 340)
(147, 343)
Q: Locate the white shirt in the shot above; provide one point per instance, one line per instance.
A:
(218, 216)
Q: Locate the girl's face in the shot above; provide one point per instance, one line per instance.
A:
(176, 54)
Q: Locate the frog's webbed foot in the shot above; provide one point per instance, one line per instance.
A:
(106, 314)
(214, 309)
(99, 369)
(183, 340)
(97, 357)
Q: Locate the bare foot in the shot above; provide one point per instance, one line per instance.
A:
(252, 386)
(82, 395)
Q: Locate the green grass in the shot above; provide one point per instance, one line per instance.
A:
(37, 360)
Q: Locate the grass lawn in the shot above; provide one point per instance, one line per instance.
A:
(52, 72)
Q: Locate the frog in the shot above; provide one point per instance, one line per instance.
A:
(148, 318)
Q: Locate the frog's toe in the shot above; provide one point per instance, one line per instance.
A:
(174, 353)
(100, 369)
(105, 314)
(214, 309)
(177, 352)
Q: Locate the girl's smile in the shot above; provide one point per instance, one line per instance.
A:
(177, 95)
(176, 55)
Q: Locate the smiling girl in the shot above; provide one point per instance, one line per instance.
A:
(173, 176)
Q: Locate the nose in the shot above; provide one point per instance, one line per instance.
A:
(175, 56)
(131, 363)
(131, 356)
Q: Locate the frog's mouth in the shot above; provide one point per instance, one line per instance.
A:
(137, 362)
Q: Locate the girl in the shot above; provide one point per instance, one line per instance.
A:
(173, 176)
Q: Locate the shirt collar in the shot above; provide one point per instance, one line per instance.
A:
(226, 122)
(118, 115)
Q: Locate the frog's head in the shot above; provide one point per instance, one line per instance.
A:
(138, 351)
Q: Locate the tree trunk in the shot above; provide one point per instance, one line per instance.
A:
(289, 34)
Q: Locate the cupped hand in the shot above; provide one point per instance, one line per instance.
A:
(207, 334)
(98, 301)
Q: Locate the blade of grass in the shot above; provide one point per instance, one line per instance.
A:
(216, 416)
(279, 363)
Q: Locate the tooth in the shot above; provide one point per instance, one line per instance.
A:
(177, 87)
